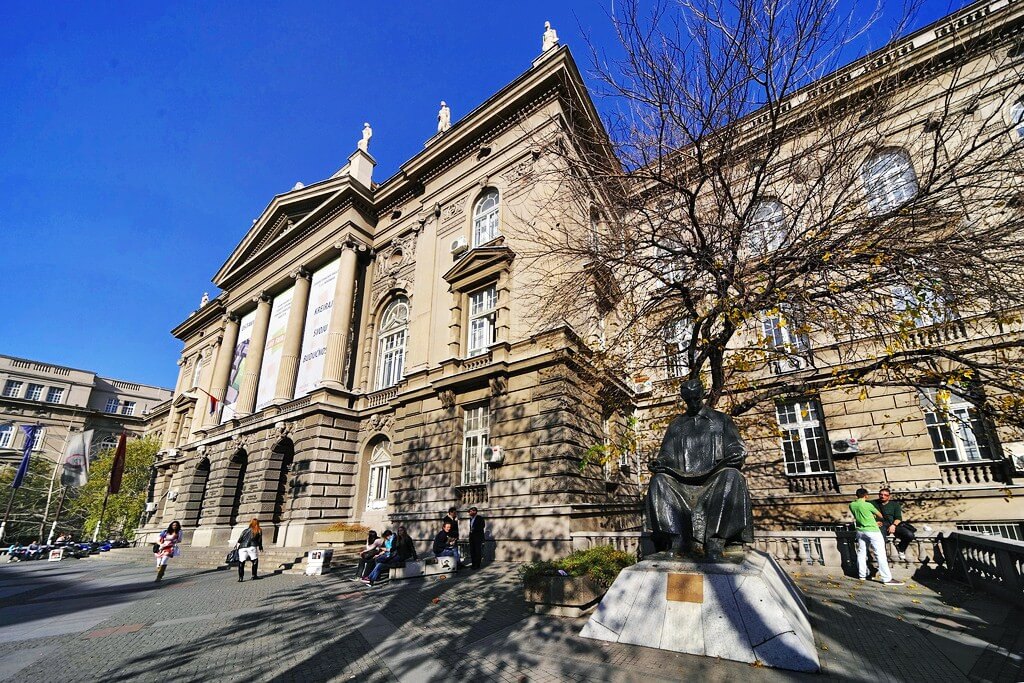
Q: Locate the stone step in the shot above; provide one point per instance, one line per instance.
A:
(271, 559)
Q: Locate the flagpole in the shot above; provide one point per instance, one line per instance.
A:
(103, 511)
(7, 514)
(53, 477)
(60, 504)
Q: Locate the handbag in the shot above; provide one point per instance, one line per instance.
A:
(176, 552)
(232, 557)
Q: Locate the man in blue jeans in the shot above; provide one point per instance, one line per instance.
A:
(868, 533)
(444, 543)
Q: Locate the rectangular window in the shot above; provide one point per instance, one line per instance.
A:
(128, 408)
(476, 430)
(6, 436)
(197, 370)
(804, 444)
(923, 304)
(789, 344)
(676, 342)
(378, 491)
(392, 359)
(55, 395)
(40, 437)
(35, 392)
(111, 407)
(955, 427)
(12, 388)
(482, 317)
(666, 262)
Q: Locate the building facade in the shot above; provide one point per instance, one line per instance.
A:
(65, 400)
(373, 357)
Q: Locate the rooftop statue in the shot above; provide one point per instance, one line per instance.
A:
(698, 498)
(444, 118)
(364, 144)
(550, 38)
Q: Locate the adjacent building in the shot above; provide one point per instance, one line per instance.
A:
(65, 400)
(373, 358)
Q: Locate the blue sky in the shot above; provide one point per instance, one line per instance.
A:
(139, 141)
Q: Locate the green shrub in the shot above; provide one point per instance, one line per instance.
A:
(601, 563)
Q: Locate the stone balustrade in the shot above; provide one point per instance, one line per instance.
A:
(990, 563)
(973, 473)
(472, 494)
(824, 482)
(379, 398)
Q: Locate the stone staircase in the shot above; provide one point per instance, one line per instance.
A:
(272, 560)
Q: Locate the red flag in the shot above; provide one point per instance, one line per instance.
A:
(213, 405)
(117, 469)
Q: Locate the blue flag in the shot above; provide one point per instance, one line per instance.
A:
(30, 442)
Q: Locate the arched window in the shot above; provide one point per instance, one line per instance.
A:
(1017, 118)
(394, 326)
(889, 180)
(766, 227)
(380, 475)
(485, 217)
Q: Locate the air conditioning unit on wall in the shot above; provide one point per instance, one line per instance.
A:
(494, 456)
(459, 246)
(848, 447)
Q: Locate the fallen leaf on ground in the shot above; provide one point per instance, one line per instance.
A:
(824, 647)
(436, 600)
(916, 602)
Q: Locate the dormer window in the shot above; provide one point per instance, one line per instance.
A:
(485, 217)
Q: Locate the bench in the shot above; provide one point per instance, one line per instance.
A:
(427, 566)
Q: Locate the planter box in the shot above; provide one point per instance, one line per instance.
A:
(563, 596)
(331, 538)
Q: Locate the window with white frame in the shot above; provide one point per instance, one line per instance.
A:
(34, 392)
(955, 427)
(6, 436)
(766, 227)
(783, 336)
(483, 310)
(37, 445)
(477, 427)
(55, 395)
(804, 442)
(12, 388)
(380, 476)
(889, 180)
(923, 303)
(128, 408)
(394, 331)
(667, 257)
(486, 217)
(677, 337)
(197, 370)
(595, 230)
(1017, 118)
(112, 405)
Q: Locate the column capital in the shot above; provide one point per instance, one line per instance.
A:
(262, 298)
(182, 362)
(301, 272)
(231, 318)
(351, 243)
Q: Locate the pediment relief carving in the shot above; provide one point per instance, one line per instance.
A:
(398, 256)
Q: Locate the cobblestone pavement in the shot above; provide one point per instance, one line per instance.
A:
(105, 620)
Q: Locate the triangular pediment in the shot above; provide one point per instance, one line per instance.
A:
(182, 400)
(290, 216)
(479, 264)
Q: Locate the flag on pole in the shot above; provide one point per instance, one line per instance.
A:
(117, 469)
(30, 443)
(76, 460)
(213, 404)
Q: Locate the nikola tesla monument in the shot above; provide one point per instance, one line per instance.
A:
(698, 498)
(745, 608)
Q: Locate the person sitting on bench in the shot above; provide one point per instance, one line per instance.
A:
(444, 543)
(402, 550)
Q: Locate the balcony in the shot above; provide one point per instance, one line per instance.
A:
(379, 398)
(973, 473)
(817, 483)
(471, 494)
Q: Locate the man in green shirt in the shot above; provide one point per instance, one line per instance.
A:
(868, 533)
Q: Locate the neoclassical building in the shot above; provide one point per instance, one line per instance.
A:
(374, 357)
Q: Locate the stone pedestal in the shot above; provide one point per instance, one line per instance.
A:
(748, 611)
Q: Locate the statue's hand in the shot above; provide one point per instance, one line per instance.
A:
(733, 460)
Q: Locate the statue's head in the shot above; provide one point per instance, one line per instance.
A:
(692, 393)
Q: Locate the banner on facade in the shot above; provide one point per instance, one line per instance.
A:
(76, 460)
(314, 335)
(230, 402)
(274, 349)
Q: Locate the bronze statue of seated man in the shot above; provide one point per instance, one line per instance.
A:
(698, 498)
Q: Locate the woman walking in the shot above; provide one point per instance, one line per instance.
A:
(249, 544)
(167, 547)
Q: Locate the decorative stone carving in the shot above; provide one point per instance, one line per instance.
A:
(281, 428)
(499, 385)
(205, 300)
(379, 422)
(397, 256)
(447, 397)
(519, 171)
(550, 38)
(444, 118)
(453, 210)
(364, 144)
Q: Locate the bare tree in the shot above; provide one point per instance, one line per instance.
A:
(777, 226)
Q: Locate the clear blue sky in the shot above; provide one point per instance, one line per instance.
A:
(138, 141)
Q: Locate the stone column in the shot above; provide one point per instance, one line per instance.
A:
(254, 359)
(222, 367)
(341, 317)
(285, 390)
(366, 382)
(171, 430)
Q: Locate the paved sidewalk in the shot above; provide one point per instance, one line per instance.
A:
(92, 620)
